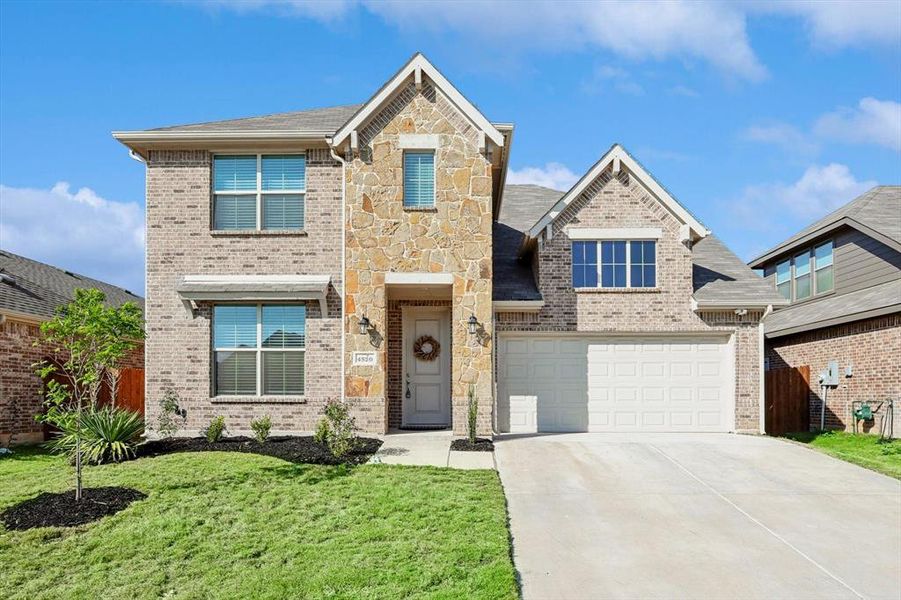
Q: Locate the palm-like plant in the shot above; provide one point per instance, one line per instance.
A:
(108, 434)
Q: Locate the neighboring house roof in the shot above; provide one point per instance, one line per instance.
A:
(866, 303)
(614, 157)
(32, 288)
(721, 279)
(876, 213)
(316, 120)
(513, 276)
(416, 67)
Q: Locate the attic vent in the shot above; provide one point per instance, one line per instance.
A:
(7, 278)
(71, 274)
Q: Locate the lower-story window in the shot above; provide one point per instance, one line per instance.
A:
(259, 349)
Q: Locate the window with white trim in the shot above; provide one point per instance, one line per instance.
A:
(615, 264)
(259, 349)
(259, 192)
(419, 179)
(807, 274)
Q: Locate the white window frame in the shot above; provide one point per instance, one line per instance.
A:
(628, 242)
(260, 192)
(403, 177)
(258, 349)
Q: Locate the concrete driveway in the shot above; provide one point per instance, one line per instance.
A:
(696, 516)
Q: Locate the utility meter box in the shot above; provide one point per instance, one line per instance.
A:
(829, 376)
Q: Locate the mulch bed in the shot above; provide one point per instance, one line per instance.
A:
(480, 445)
(290, 448)
(61, 510)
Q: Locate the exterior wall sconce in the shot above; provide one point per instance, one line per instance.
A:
(473, 324)
(364, 325)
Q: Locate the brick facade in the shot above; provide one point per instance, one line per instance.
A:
(20, 388)
(453, 238)
(621, 202)
(872, 346)
(180, 242)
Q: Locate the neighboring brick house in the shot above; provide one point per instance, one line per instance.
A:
(30, 293)
(842, 275)
(373, 253)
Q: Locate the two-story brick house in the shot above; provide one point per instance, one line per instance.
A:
(373, 253)
(842, 276)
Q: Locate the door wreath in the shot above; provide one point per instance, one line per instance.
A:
(426, 348)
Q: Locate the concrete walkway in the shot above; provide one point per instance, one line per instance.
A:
(430, 449)
(696, 516)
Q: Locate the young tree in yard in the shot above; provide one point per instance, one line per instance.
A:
(87, 341)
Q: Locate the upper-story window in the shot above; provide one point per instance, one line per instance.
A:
(259, 191)
(622, 264)
(807, 274)
(419, 179)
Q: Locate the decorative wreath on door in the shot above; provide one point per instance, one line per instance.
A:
(426, 348)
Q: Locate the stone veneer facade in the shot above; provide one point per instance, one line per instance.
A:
(20, 388)
(872, 346)
(453, 238)
(180, 242)
(621, 202)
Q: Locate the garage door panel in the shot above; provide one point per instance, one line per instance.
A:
(578, 384)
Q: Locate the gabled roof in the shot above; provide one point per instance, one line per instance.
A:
(417, 66)
(616, 156)
(882, 299)
(32, 288)
(876, 213)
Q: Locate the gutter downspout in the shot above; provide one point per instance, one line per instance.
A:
(331, 150)
(762, 375)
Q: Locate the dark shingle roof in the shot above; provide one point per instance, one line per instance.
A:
(879, 210)
(34, 288)
(317, 119)
(719, 276)
(843, 308)
(523, 206)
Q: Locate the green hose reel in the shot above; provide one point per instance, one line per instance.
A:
(863, 412)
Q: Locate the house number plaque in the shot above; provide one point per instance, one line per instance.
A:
(365, 359)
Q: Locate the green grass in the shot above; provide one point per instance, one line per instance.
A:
(861, 449)
(227, 525)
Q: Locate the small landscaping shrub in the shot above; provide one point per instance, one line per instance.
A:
(261, 428)
(339, 428)
(107, 434)
(214, 431)
(172, 418)
(322, 431)
(472, 414)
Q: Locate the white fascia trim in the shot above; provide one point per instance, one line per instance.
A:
(619, 153)
(419, 278)
(517, 305)
(419, 62)
(715, 306)
(619, 233)
(418, 141)
(12, 315)
(254, 287)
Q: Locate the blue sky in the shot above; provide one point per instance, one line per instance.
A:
(757, 117)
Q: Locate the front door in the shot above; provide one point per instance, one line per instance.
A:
(426, 366)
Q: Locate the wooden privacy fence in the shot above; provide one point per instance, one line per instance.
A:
(130, 392)
(787, 400)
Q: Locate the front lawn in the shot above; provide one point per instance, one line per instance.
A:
(861, 449)
(228, 525)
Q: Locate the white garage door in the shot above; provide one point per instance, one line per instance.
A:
(614, 384)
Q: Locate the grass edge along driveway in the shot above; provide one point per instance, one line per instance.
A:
(862, 449)
(228, 525)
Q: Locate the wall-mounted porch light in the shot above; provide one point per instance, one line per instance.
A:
(473, 324)
(364, 325)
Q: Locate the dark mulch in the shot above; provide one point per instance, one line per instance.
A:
(480, 445)
(61, 510)
(290, 448)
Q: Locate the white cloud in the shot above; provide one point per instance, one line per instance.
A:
(787, 137)
(552, 175)
(685, 91)
(79, 231)
(819, 191)
(872, 122)
(607, 77)
(835, 24)
(320, 10)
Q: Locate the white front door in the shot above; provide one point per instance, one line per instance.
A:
(426, 383)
